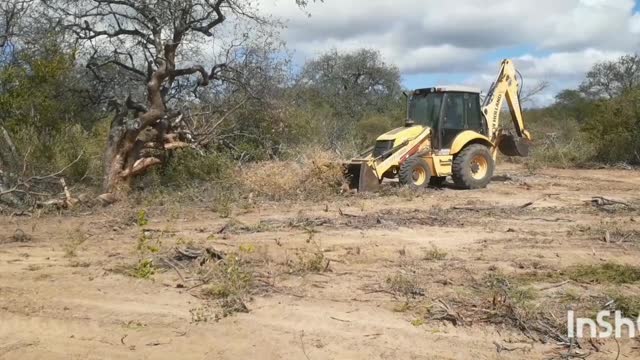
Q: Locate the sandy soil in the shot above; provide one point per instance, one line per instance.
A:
(63, 294)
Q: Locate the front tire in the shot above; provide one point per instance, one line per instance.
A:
(415, 173)
(473, 167)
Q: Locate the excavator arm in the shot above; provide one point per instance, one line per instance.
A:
(506, 87)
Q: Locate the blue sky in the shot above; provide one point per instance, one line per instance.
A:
(443, 42)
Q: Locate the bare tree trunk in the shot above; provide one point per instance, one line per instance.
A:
(114, 163)
(123, 157)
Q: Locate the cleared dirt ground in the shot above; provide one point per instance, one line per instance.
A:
(434, 275)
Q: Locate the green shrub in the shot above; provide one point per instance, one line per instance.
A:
(188, 166)
(614, 129)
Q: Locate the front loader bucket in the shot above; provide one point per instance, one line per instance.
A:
(361, 177)
(511, 145)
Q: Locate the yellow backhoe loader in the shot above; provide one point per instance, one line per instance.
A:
(447, 133)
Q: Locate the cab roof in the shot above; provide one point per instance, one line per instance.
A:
(448, 88)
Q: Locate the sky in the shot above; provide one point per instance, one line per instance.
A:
(462, 42)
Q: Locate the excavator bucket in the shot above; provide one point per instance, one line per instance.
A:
(512, 145)
(361, 177)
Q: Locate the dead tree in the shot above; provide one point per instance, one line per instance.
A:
(151, 40)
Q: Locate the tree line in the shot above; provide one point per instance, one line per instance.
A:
(123, 93)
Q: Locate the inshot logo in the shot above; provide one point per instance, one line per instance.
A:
(604, 326)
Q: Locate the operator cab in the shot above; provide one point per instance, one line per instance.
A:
(448, 111)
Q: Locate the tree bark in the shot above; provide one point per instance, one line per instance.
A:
(123, 158)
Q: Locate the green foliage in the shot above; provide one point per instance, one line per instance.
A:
(144, 269)
(629, 305)
(142, 219)
(340, 103)
(608, 273)
(313, 262)
(41, 89)
(67, 145)
(614, 128)
(188, 167)
(404, 284)
(48, 112)
(596, 124)
(230, 279)
(146, 245)
(354, 86)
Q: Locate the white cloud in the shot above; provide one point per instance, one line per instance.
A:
(563, 64)
(463, 37)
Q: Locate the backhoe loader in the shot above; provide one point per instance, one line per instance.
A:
(448, 132)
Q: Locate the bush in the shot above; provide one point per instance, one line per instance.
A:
(613, 129)
(190, 167)
(552, 150)
(50, 151)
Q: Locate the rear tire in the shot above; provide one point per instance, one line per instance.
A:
(473, 167)
(437, 181)
(415, 173)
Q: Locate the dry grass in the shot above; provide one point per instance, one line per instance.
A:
(435, 254)
(314, 176)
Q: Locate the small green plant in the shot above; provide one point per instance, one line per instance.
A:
(224, 207)
(247, 249)
(435, 254)
(186, 242)
(147, 245)
(522, 295)
(311, 262)
(230, 283)
(144, 269)
(404, 284)
(498, 283)
(230, 278)
(142, 219)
